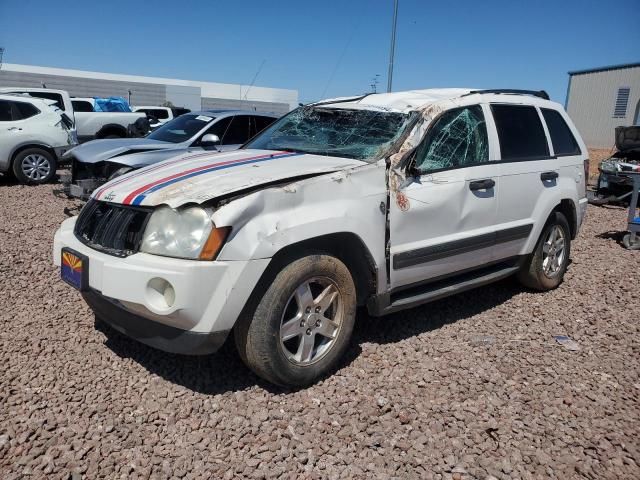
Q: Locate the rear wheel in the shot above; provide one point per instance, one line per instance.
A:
(302, 324)
(34, 166)
(545, 268)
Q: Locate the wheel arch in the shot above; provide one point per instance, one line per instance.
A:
(568, 208)
(111, 128)
(26, 146)
(348, 247)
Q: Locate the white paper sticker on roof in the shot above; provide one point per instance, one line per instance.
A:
(204, 118)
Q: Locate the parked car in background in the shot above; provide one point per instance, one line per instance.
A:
(386, 201)
(88, 124)
(614, 184)
(160, 115)
(96, 162)
(34, 134)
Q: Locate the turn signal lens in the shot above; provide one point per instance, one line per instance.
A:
(216, 240)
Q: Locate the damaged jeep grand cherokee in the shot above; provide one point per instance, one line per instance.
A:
(386, 201)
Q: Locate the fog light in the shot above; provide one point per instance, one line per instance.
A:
(160, 294)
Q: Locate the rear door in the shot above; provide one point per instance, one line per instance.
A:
(529, 172)
(443, 221)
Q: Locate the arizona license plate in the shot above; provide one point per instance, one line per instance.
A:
(75, 269)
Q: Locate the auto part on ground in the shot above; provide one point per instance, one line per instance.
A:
(632, 240)
(614, 183)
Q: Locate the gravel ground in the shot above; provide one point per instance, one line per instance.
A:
(473, 386)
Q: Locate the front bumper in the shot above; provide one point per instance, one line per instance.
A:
(207, 297)
(154, 334)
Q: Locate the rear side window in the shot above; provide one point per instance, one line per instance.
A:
(82, 106)
(50, 96)
(232, 130)
(24, 110)
(5, 111)
(520, 132)
(563, 141)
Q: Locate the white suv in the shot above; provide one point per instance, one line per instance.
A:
(34, 134)
(387, 201)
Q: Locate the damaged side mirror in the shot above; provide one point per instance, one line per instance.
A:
(209, 140)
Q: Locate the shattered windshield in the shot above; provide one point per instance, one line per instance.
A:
(336, 132)
(180, 129)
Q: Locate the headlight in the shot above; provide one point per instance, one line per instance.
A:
(186, 233)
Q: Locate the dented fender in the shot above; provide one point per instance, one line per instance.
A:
(268, 220)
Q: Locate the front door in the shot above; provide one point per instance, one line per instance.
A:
(443, 222)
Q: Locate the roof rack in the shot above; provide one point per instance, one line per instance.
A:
(511, 91)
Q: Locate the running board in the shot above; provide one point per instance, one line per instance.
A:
(412, 297)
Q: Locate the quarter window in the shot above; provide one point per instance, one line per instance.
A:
(563, 141)
(520, 132)
(458, 138)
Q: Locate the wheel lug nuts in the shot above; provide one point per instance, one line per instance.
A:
(302, 323)
(308, 331)
(317, 309)
(308, 309)
(318, 323)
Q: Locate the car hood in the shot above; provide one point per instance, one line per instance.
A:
(199, 177)
(100, 150)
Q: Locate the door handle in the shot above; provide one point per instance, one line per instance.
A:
(485, 184)
(13, 128)
(546, 176)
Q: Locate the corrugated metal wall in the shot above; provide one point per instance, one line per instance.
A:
(592, 97)
(141, 93)
(225, 103)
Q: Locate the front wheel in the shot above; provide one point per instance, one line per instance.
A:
(302, 324)
(34, 166)
(545, 267)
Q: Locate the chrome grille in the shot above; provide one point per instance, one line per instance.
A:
(110, 228)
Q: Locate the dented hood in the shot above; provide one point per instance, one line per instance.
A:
(101, 150)
(198, 177)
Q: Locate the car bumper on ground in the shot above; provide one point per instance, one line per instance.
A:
(176, 305)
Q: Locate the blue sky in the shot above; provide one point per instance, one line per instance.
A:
(330, 47)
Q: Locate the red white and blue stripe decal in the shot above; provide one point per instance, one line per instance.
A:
(144, 171)
(138, 195)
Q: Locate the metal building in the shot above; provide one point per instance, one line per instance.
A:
(600, 99)
(151, 90)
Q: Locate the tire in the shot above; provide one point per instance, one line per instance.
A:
(541, 272)
(286, 339)
(34, 166)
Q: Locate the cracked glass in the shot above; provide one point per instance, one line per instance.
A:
(338, 132)
(458, 138)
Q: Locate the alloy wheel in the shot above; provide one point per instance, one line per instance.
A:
(553, 251)
(36, 167)
(311, 321)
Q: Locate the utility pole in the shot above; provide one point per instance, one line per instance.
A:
(393, 44)
(1, 53)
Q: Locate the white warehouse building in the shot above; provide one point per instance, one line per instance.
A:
(601, 99)
(156, 91)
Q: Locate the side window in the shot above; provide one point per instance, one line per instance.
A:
(24, 110)
(236, 130)
(219, 128)
(563, 141)
(520, 132)
(5, 111)
(458, 138)
(160, 114)
(263, 122)
(50, 96)
(82, 106)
